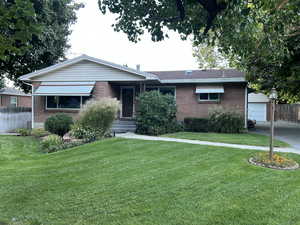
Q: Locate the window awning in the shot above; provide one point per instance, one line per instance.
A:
(209, 89)
(65, 89)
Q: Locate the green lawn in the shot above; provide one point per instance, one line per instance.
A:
(135, 182)
(244, 138)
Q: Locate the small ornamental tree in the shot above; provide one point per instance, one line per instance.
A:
(156, 113)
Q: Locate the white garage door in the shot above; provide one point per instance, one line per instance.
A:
(257, 111)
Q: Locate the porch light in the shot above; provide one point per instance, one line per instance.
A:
(273, 96)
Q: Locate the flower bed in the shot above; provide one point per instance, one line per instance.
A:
(277, 161)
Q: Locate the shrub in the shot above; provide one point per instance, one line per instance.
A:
(196, 124)
(225, 121)
(96, 117)
(23, 131)
(156, 114)
(51, 143)
(39, 132)
(86, 133)
(59, 124)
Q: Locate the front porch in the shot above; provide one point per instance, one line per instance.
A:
(127, 93)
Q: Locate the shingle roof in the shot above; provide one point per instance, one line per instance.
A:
(12, 91)
(198, 74)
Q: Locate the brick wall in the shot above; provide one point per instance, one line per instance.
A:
(22, 101)
(101, 89)
(189, 106)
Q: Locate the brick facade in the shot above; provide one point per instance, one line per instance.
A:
(189, 106)
(101, 89)
(186, 99)
(22, 101)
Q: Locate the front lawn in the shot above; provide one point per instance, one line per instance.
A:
(136, 182)
(244, 138)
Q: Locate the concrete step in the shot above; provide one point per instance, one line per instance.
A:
(124, 122)
(122, 129)
(122, 126)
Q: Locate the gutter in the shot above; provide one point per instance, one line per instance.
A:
(32, 104)
(205, 80)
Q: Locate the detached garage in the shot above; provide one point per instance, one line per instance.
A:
(257, 107)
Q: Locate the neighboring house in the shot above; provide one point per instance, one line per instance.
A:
(258, 107)
(65, 87)
(11, 97)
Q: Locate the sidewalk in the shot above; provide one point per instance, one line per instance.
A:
(248, 147)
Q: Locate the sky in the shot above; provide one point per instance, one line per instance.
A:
(93, 35)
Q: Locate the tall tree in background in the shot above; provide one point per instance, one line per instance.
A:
(18, 23)
(209, 57)
(259, 37)
(35, 40)
(2, 83)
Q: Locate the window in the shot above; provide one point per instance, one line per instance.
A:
(163, 90)
(209, 97)
(13, 101)
(167, 90)
(69, 102)
(85, 99)
(151, 89)
(66, 102)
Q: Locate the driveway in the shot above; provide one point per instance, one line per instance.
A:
(287, 132)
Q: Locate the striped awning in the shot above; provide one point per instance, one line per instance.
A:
(209, 89)
(65, 89)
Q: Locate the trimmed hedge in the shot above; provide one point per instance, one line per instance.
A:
(226, 121)
(196, 124)
(219, 121)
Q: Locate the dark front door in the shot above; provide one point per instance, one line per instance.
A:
(127, 101)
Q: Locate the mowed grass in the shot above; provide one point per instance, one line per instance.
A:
(243, 138)
(134, 182)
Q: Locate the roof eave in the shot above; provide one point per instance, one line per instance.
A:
(205, 80)
(27, 77)
(11, 94)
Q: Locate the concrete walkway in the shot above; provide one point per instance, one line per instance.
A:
(9, 134)
(248, 147)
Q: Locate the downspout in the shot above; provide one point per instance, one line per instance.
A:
(32, 104)
(246, 106)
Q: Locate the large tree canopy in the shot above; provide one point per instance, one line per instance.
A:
(260, 37)
(35, 40)
(18, 23)
(209, 57)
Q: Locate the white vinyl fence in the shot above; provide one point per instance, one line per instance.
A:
(13, 118)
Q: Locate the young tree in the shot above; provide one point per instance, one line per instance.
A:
(260, 37)
(44, 41)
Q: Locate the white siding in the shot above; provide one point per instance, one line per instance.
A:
(88, 71)
(259, 97)
(257, 111)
